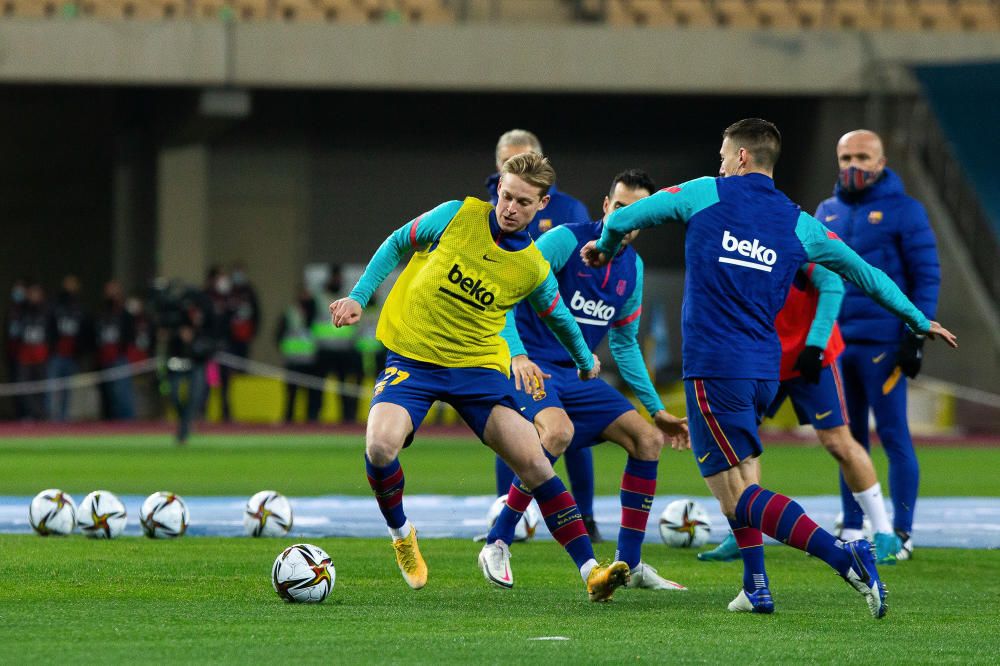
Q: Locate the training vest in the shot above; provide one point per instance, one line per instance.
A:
(297, 345)
(793, 323)
(449, 304)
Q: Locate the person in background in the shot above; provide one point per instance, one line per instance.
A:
(336, 353)
(33, 350)
(113, 333)
(69, 336)
(562, 209)
(13, 326)
(218, 288)
(189, 346)
(298, 351)
(875, 217)
(243, 314)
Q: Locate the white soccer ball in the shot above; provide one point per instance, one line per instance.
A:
(303, 573)
(866, 526)
(164, 515)
(685, 524)
(52, 512)
(525, 528)
(101, 515)
(268, 514)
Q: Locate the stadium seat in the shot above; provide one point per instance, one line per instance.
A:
(735, 14)
(648, 12)
(775, 14)
(978, 15)
(132, 9)
(425, 11)
(31, 8)
(811, 13)
(919, 15)
(692, 13)
(298, 10)
(341, 11)
(855, 14)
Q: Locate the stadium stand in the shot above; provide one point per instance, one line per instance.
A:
(866, 15)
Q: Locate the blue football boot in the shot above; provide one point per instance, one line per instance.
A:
(758, 601)
(863, 577)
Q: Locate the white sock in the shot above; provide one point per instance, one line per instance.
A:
(587, 567)
(401, 532)
(874, 507)
(850, 534)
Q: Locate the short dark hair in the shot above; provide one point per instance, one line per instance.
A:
(633, 179)
(759, 137)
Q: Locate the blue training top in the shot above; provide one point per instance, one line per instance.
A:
(745, 241)
(604, 301)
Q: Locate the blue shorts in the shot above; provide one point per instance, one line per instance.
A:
(723, 416)
(823, 404)
(591, 405)
(415, 385)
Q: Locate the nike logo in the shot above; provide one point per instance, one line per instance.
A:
(495, 261)
(829, 218)
(506, 574)
(566, 514)
(704, 457)
(820, 417)
(523, 408)
(879, 358)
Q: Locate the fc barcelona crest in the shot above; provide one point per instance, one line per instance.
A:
(875, 216)
(544, 225)
(620, 288)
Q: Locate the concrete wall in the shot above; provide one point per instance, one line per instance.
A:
(533, 57)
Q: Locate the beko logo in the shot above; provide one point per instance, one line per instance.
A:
(763, 257)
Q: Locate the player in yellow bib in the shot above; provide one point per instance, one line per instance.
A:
(441, 325)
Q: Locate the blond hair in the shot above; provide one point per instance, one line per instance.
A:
(533, 169)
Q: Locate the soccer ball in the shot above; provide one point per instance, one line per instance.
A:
(52, 512)
(101, 515)
(866, 526)
(164, 515)
(303, 574)
(525, 528)
(685, 524)
(269, 514)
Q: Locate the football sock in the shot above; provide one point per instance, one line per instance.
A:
(387, 483)
(401, 532)
(783, 519)
(873, 506)
(518, 499)
(637, 491)
(751, 543)
(562, 516)
(504, 476)
(580, 468)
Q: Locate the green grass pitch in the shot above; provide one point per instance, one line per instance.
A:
(201, 599)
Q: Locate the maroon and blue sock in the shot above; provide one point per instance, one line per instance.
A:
(637, 491)
(387, 482)
(783, 519)
(518, 499)
(751, 543)
(580, 470)
(562, 516)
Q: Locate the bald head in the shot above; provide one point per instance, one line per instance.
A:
(861, 149)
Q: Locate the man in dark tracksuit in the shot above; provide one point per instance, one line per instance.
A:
(69, 335)
(872, 213)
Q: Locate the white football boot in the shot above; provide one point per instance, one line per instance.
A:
(646, 577)
(494, 560)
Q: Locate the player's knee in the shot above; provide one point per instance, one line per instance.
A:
(648, 445)
(556, 437)
(382, 448)
(534, 472)
(839, 443)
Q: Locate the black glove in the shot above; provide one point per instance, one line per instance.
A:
(810, 363)
(911, 354)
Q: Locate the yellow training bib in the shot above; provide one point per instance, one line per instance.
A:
(449, 304)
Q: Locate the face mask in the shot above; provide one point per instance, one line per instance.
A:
(853, 179)
(17, 294)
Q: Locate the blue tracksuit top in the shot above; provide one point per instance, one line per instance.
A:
(562, 209)
(745, 240)
(890, 230)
